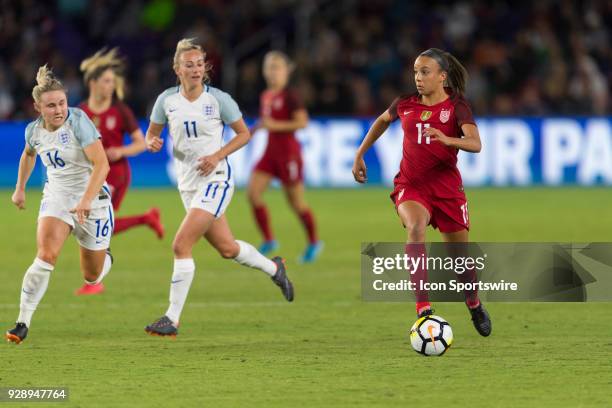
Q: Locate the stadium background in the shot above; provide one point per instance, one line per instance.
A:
(540, 78)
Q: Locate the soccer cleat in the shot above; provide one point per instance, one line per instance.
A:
(162, 327)
(268, 246)
(312, 252)
(154, 222)
(481, 320)
(18, 334)
(426, 312)
(89, 289)
(281, 280)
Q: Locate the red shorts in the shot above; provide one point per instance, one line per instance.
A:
(445, 214)
(118, 179)
(288, 169)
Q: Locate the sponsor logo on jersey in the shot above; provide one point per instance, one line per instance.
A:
(111, 122)
(444, 115)
(209, 110)
(406, 113)
(425, 115)
(64, 138)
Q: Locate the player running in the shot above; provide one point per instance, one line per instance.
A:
(75, 197)
(103, 76)
(195, 114)
(437, 122)
(282, 113)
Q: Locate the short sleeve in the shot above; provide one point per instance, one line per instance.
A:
(29, 132)
(393, 109)
(228, 108)
(84, 129)
(158, 114)
(131, 124)
(294, 101)
(463, 113)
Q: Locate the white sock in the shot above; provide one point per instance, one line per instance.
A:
(179, 287)
(251, 257)
(105, 270)
(34, 286)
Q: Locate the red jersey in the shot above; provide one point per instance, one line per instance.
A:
(427, 164)
(112, 124)
(280, 105)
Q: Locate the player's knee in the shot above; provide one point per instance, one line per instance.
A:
(254, 198)
(47, 255)
(416, 231)
(228, 250)
(180, 248)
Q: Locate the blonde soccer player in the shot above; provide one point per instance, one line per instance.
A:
(195, 114)
(76, 198)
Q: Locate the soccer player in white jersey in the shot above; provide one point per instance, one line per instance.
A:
(75, 198)
(195, 114)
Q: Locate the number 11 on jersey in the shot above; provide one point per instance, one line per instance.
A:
(193, 125)
(420, 127)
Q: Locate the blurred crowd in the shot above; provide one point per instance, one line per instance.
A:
(353, 57)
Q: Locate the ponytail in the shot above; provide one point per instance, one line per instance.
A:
(45, 82)
(456, 73)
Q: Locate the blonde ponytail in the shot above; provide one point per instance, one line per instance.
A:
(45, 82)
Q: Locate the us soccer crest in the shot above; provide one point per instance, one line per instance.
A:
(444, 115)
(111, 122)
(277, 104)
(64, 138)
(425, 115)
(209, 110)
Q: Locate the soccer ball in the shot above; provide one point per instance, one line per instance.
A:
(431, 336)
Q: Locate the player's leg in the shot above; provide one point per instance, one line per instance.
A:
(119, 179)
(415, 216)
(453, 222)
(294, 193)
(194, 226)
(95, 265)
(220, 236)
(50, 237)
(258, 184)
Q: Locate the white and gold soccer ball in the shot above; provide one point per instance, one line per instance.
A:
(431, 336)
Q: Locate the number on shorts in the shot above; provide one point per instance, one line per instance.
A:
(464, 212)
(102, 230)
(292, 166)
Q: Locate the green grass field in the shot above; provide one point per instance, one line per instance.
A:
(241, 345)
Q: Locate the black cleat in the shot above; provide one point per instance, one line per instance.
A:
(481, 320)
(426, 312)
(18, 334)
(162, 327)
(281, 279)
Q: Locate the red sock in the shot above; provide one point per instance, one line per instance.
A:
(417, 250)
(309, 224)
(468, 276)
(263, 222)
(125, 223)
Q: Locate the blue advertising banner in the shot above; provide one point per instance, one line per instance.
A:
(516, 152)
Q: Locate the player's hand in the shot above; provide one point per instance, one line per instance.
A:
(435, 134)
(360, 171)
(113, 154)
(82, 210)
(206, 164)
(154, 144)
(18, 199)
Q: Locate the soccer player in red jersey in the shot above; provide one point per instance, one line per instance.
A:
(282, 113)
(437, 122)
(103, 76)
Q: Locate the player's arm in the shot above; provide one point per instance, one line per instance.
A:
(26, 165)
(470, 142)
(136, 146)
(153, 140)
(96, 155)
(299, 120)
(208, 163)
(380, 125)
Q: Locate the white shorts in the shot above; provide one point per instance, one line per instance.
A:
(95, 234)
(214, 197)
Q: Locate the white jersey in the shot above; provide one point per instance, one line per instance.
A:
(61, 152)
(196, 129)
